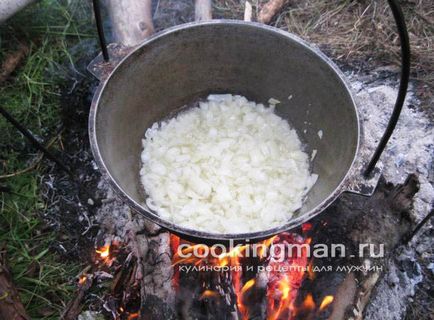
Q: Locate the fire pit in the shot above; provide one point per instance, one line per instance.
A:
(248, 281)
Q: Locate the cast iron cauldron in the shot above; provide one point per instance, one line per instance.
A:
(190, 61)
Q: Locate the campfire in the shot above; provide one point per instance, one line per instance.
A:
(153, 272)
(255, 276)
(259, 280)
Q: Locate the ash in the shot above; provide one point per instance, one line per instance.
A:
(147, 241)
(410, 150)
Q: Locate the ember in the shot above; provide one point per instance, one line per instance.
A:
(82, 280)
(104, 252)
(282, 285)
(208, 294)
(285, 268)
(308, 303)
(132, 316)
(326, 302)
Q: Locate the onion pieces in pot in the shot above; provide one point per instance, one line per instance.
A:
(227, 166)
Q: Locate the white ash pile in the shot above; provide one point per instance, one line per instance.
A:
(410, 150)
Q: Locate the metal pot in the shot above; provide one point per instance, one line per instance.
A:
(10, 7)
(190, 61)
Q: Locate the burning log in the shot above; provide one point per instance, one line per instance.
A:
(75, 306)
(208, 291)
(141, 284)
(285, 275)
(152, 247)
(381, 220)
(11, 306)
(242, 285)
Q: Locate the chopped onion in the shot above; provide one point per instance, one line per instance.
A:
(227, 166)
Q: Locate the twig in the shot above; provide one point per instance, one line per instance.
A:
(270, 9)
(74, 307)
(35, 162)
(12, 61)
(248, 11)
(29, 168)
(202, 10)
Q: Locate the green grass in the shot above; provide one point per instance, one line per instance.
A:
(32, 95)
(45, 283)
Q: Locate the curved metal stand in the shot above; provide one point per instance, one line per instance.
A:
(405, 69)
(403, 85)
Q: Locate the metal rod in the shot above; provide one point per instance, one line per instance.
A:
(100, 28)
(403, 84)
(419, 226)
(33, 140)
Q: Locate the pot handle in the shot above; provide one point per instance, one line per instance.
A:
(132, 22)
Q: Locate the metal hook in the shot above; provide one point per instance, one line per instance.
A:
(403, 84)
(100, 28)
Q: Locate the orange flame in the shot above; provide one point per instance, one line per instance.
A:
(132, 316)
(285, 277)
(281, 294)
(310, 273)
(231, 258)
(174, 244)
(104, 251)
(208, 294)
(265, 244)
(82, 280)
(284, 303)
(326, 302)
(248, 285)
(308, 303)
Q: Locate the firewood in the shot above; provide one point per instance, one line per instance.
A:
(131, 20)
(202, 10)
(381, 219)
(11, 306)
(74, 307)
(270, 9)
(248, 11)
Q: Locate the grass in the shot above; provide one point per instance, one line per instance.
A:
(43, 280)
(32, 95)
(353, 31)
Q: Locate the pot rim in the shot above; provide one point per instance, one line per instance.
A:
(192, 233)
